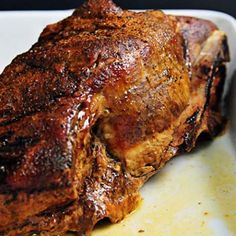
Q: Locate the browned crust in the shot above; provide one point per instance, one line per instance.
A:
(97, 106)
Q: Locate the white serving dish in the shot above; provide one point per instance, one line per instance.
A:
(195, 194)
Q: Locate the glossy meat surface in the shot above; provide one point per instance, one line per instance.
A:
(101, 102)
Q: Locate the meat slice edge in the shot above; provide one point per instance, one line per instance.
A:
(99, 194)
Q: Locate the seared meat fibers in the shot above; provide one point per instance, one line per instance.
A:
(101, 102)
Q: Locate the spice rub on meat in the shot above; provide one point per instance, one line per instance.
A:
(97, 106)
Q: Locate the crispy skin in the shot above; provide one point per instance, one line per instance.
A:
(101, 102)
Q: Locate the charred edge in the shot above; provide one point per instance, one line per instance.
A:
(3, 233)
(12, 120)
(220, 87)
(5, 113)
(6, 189)
(57, 209)
(12, 199)
(189, 136)
(225, 49)
(205, 70)
(10, 154)
(5, 136)
(192, 119)
(189, 139)
(39, 109)
(32, 232)
(209, 84)
(53, 97)
(190, 133)
(20, 142)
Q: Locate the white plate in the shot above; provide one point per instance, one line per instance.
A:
(194, 194)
